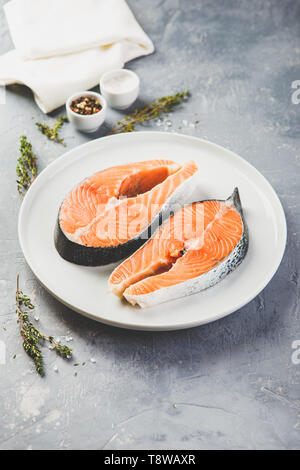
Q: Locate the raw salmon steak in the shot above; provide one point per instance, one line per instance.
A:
(112, 213)
(194, 249)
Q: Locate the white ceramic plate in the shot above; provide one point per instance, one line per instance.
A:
(85, 290)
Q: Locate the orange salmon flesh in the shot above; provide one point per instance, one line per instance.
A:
(192, 242)
(114, 205)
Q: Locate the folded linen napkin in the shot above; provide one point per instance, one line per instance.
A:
(65, 46)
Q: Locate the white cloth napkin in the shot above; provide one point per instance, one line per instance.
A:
(64, 46)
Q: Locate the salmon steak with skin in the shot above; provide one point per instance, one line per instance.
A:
(110, 214)
(193, 250)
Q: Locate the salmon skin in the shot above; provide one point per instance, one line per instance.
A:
(112, 213)
(193, 250)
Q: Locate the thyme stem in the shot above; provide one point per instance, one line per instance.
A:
(151, 111)
(26, 166)
(32, 337)
(52, 132)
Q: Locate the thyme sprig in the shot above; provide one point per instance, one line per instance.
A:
(32, 337)
(52, 132)
(26, 166)
(151, 111)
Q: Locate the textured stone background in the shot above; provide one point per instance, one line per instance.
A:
(233, 381)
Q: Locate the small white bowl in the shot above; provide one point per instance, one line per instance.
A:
(128, 92)
(90, 122)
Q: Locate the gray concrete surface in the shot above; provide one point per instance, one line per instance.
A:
(233, 381)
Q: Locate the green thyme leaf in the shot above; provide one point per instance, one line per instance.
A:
(32, 337)
(26, 166)
(52, 132)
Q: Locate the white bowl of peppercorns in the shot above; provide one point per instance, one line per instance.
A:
(86, 110)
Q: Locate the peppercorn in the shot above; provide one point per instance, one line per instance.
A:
(85, 105)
